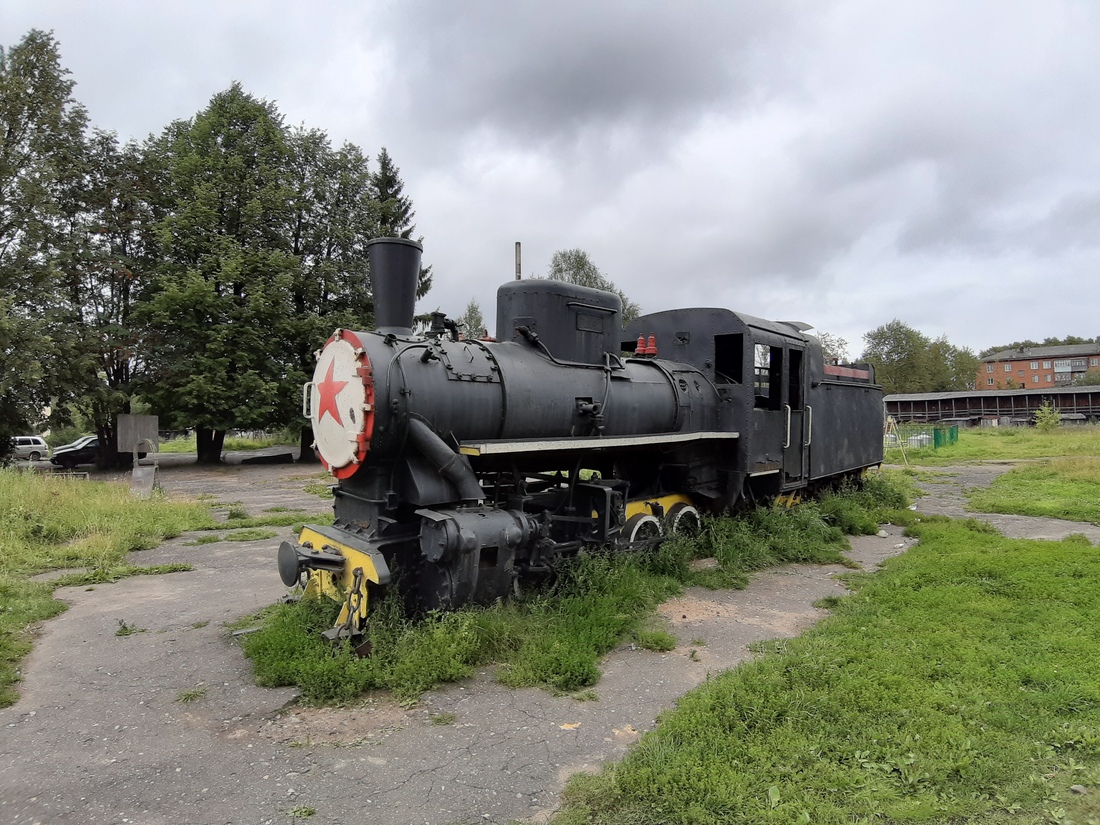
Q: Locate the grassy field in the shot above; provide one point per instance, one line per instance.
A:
(959, 684)
(87, 527)
(1005, 444)
(1065, 488)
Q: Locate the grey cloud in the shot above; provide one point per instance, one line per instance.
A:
(554, 70)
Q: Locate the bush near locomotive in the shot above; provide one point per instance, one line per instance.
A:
(471, 465)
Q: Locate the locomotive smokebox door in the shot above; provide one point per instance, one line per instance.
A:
(341, 404)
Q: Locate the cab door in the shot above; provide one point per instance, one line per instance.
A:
(794, 405)
(779, 414)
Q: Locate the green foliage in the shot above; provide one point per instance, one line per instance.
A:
(833, 346)
(574, 266)
(40, 170)
(1047, 418)
(224, 288)
(472, 322)
(905, 360)
(957, 685)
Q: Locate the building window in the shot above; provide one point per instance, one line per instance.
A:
(1008, 367)
(1046, 365)
(1020, 373)
(1035, 379)
(1094, 361)
(1035, 365)
(1048, 378)
(989, 382)
(989, 368)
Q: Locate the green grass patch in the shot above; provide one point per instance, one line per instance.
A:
(1005, 444)
(554, 637)
(51, 524)
(321, 489)
(1065, 488)
(958, 684)
(187, 444)
(200, 540)
(253, 534)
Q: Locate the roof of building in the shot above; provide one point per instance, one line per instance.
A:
(1023, 353)
(990, 393)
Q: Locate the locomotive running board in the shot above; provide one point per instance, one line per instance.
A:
(607, 442)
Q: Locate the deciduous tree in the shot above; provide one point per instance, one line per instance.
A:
(906, 360)
(215, 321)
(575, 266)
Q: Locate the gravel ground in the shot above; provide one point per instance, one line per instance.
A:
(166, 726)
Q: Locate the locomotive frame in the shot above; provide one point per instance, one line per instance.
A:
(472, 465)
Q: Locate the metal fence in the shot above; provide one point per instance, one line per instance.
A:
(920, 436)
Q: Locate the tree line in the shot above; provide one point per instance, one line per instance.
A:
(190, 275)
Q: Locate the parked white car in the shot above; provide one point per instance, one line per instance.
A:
(32, 447)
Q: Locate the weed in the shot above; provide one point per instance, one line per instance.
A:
(199, 625)
(693, 654)
(660, 640)
(698, 641)
(253, 534)
(585, 696)
(126, 629)
(319, 489)
(236, 512)
(199, 540)
(301, 812)
(443, 719)
(192, 695)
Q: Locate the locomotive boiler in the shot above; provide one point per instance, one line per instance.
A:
(469, 466)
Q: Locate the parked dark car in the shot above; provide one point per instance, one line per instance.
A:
(82, 451)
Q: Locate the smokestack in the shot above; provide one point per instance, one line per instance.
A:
(518, 276)
(394, 272)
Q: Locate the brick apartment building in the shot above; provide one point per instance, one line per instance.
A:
(1037, 367)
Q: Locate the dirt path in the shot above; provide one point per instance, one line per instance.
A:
(102, 734)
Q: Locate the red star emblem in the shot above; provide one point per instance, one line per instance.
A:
(329, 389)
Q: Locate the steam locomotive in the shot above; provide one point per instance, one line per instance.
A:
(471, 465)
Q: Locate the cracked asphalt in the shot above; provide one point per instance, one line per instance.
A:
(164, 726)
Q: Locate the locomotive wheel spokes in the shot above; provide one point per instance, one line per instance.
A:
(684, 520)
(641, 527)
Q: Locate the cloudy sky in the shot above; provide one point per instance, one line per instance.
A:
(842, 163)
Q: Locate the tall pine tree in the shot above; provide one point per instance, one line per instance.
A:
(396, 212)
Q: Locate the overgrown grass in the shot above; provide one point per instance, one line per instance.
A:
(1005, 444)
(1065, 488)
(957, 685)
(49, 523)
(553, 638)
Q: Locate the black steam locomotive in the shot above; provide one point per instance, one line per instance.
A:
(470, 465)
